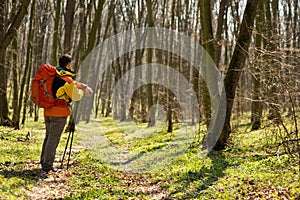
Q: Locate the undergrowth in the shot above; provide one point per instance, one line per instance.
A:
(254, 166)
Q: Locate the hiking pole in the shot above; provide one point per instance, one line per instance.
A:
(71, 133)
(63, 158)
(72, 130)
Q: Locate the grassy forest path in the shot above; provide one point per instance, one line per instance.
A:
(252, 168)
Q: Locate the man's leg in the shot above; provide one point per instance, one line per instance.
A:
(55, 128)
(47, 124)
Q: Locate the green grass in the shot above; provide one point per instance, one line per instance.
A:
(251, 168)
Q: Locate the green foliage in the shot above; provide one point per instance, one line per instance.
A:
(250, 168)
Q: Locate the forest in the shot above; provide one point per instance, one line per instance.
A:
(225, 71)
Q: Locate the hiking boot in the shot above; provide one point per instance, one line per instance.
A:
(52, 169)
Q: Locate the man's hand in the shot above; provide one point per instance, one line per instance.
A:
(88, 90)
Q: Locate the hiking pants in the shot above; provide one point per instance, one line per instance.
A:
(54, 129)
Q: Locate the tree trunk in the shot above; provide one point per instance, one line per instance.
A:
(82, 36)
(85, 72)
(16, 114)
(109, 88)
(271, 46)
(207, 41)
(41, 24)
(296, 46)
(69, 18)
(170, 64)
(149, 71)
(194, 74)
(55, 41)
(235, 67)
(13, 27)
(256, 106)
(93, 76)
(121, 115)
(218, 41)
(6, 37)
(28, 61)
(138, 95)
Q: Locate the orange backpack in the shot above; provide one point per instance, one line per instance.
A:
(41, 87)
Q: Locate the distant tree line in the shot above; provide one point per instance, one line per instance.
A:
(254, 43)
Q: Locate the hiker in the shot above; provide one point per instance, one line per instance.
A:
(56, 115)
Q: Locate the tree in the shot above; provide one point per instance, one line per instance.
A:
(272, 32)
(170, 64)
(91, 44)
(7, 36)
(257, 106)
(207, 41)
(137, 61)
(150, 22)
(119, 112)
(69, 18)
(28, 66)
(15, 69)
(56, 32)
(218, 40)
(235, 68)
(76, 27)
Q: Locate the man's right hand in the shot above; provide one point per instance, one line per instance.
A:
(88, 90)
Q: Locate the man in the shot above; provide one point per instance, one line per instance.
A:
(56, 116)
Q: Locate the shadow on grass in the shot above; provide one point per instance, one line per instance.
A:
(206, 176)
(32, 175)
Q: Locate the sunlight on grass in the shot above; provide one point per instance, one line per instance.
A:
(128, 146)
(253, 167)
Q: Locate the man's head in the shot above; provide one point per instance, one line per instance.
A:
(65, 61)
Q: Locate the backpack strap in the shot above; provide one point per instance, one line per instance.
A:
(45, 87)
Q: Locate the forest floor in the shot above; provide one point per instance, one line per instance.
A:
(252, 167)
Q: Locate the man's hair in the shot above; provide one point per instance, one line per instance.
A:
(64, 60)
